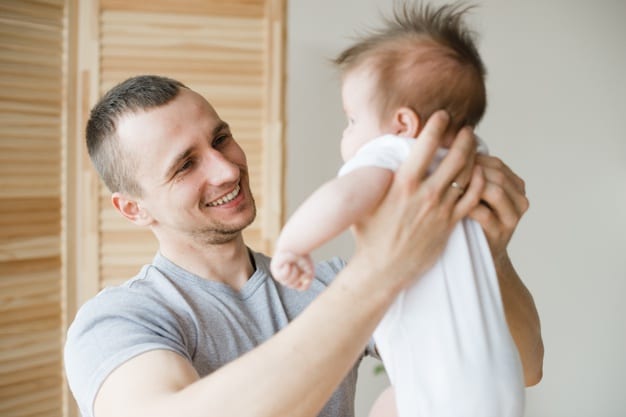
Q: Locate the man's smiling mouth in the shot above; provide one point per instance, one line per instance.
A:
(227, 198)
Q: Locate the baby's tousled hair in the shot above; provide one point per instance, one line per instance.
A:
(424, 58)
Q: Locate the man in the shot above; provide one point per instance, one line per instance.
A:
(204, 330)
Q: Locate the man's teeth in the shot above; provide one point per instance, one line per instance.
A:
(228, 197)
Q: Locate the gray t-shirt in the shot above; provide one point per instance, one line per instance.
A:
(207, 322)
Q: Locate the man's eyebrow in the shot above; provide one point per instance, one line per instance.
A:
(221, 126)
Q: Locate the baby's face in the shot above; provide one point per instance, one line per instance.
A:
(363, 119)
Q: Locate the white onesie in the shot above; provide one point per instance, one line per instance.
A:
(444, 341)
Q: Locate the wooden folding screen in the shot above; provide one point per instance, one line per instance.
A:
(60, 240)
(31, 49)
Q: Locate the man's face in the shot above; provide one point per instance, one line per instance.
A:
(193, 175)
(363, 118)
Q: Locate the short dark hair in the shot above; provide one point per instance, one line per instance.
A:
(424, 58)
(135, 94)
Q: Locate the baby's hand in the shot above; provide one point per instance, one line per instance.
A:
(291, 270)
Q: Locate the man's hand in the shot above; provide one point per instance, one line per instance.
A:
(415, 218)
(503, 203)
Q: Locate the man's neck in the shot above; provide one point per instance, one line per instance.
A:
(229, 262)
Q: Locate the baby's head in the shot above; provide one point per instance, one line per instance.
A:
(423, 60)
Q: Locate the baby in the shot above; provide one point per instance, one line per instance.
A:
(444, 342)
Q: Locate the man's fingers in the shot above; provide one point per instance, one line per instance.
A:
(510, 206)
(494, 166)
(472, 195)
(454, 173)
(457, 165)
(503, 185)
(415, 167)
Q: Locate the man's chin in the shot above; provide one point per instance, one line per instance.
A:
(221, 234)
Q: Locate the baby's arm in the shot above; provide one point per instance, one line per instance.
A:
(330, 210)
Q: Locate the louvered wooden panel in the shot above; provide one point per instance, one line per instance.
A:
(220, 49)
(30, 208)
(236, 8)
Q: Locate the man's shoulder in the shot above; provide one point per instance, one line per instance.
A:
(119, 323)
(138, 296)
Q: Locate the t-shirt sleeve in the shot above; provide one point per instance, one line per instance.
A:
(327, 270)
(110, 329)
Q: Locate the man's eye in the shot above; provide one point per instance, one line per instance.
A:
(220, 140)
(184, 167)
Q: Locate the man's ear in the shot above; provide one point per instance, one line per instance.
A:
(406, 122)
(130, 208)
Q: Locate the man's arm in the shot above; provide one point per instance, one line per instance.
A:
(523, 320)
(286, 376)
(503, 203)
(340, 321)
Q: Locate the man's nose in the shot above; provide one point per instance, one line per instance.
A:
(218, 169)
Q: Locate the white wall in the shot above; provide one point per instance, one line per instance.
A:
(557, 115)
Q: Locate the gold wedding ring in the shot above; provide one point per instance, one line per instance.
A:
(457, 186)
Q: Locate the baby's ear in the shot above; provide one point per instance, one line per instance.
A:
(406, 122)
(130, 208)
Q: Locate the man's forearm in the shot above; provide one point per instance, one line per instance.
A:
(303, 364)
(523, 320)
(292, 374)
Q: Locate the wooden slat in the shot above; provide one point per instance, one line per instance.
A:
(19, 188)
(24, 231)
(24, 308)
(31, 168)
(18, 192)
(47, 390)
(31, 355)
(25, 294)
(118, 69)
(27, 268)
(10, 105)
(40, 323)
(24, 389)
(29, 205)
(20, 139)
(35, 156)
(43, 402)
(49, 13)
(24, 376)
(15, 83)
(248, 8)
(49, 97)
